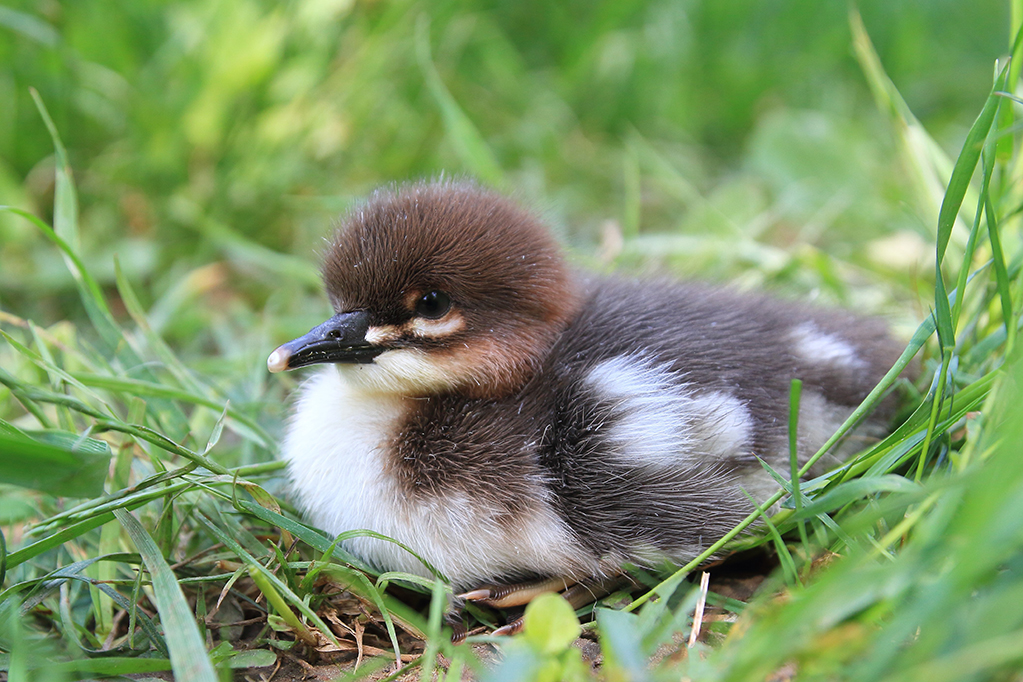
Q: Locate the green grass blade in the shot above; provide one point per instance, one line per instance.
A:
(65, 201)
(187, 650)
(65, 238)
(129, 386)
(92, 289)
(95, 513)
(134, 308)
(3, 557)
(1001, 273)
(964, 167)
(962, 173)
(278, 584)
(42, 587)
(390, 608)
(856, 489)
(47, 364)
(788, 564)
(68, 465)
(119, 500)
(927, 161)
(274, 599)
(65, 235)
(104, 423)
(57, 539)
(965, 275)
(92, 298)
(1007, 116)
(795, 393)
(320, 542)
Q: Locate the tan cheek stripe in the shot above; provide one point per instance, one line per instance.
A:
(430, 329)
(382, 334)
(436, 329)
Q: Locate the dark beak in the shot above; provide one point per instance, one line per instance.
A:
(342, 338)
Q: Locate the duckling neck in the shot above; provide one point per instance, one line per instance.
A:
(505, 363)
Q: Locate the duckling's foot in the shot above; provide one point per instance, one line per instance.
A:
(576, 594)
(517, 594)
(513, 627)
(453, 619)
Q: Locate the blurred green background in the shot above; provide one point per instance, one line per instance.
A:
(213, 143)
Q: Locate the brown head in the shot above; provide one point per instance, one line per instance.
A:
(437, 287)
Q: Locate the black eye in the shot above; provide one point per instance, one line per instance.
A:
(433, 305)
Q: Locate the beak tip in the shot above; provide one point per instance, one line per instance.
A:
(278, 361)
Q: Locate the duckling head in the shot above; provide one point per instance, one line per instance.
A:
(438, 287)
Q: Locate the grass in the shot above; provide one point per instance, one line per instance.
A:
(143, 522)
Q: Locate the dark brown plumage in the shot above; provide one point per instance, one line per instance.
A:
(505, 417)
(502, 267)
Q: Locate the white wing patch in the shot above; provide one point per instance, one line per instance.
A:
(722, 423)
(815, 346)
(660, 421)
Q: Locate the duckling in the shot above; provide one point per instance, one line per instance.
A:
(507, 418)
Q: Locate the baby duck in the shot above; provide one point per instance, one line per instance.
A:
(507, 418)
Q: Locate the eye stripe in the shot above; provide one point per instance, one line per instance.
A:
(436, 329)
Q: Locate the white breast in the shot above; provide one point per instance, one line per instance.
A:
(334, 453)
(337, 449)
